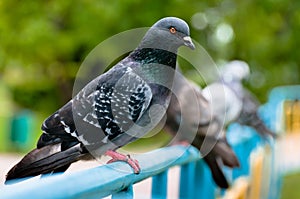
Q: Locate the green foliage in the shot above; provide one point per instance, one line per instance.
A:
(44, 42)
(290, 188)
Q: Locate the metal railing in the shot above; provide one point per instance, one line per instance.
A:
(256, 157)
(117, 179)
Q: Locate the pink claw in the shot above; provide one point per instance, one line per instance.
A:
(125, 158)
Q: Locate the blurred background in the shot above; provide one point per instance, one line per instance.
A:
(43, 43)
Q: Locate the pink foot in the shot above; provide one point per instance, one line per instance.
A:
(125, 158)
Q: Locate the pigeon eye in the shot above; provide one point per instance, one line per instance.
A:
(172, 30)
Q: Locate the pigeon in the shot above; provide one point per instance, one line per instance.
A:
(190, 119)
(235, 103)
(114, 109)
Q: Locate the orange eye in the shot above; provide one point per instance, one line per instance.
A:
(172, 30)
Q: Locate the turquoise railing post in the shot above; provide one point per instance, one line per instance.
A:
(243, 140)
(204, 186)
(127, 193)
(276, 175)
(160, 185)
(187, 179)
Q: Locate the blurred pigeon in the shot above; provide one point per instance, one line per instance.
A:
(232, 102)
(114, 109)
(189, 118)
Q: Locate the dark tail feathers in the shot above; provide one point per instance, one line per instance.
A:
(223, 150)
(45, 160)
(216, 171)
(219, 154)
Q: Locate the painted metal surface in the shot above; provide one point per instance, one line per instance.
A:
(101, 181)
(117, 179)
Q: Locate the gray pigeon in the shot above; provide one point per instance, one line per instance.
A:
(114, 109)
(189, 118)
(234, 103)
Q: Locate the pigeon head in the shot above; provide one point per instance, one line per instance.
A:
(168, 34)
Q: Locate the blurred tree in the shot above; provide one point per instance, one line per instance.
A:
(44, 42)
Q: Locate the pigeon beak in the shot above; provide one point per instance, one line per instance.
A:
(188, 42)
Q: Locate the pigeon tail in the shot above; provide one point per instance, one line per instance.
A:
(216, 153)
(261, 128)
(216, 170)
(45, 160)
(225, 152)
(221, 154)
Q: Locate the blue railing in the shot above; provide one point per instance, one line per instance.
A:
(195, 181)
(117, 179)
(272, 111)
